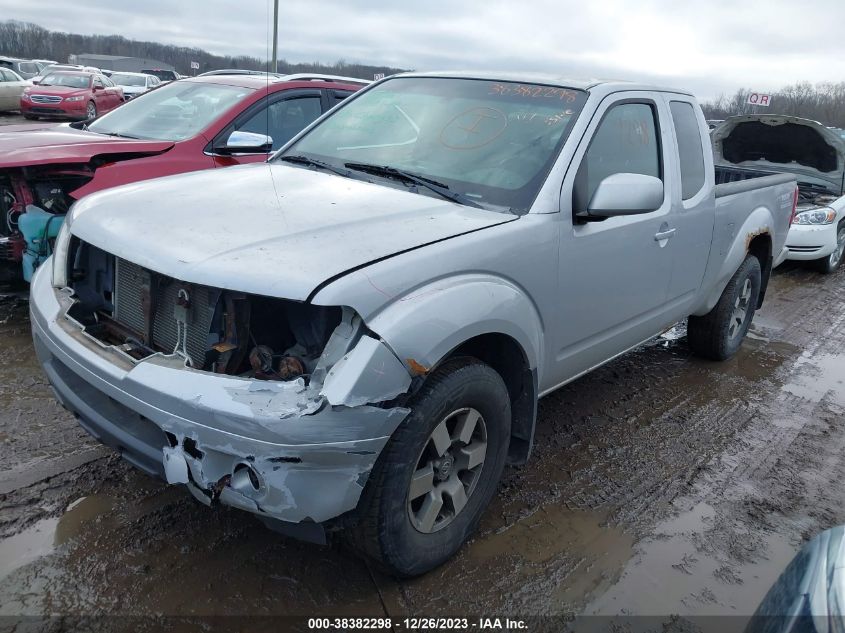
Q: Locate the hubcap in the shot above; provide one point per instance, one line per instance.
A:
(836, 256)
(448, 470)
(92, 111)
(740, 311)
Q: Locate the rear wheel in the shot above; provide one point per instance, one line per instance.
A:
(91, 111)
(832, 261)
(718, 334)
(438, 472)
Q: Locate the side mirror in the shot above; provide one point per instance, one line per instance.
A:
(246, 143)
(625, 194)
(35, 81)
(96, 88)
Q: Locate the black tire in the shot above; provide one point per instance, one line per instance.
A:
(385, 532)
(712, 335)
(830, 263)
(30, 117)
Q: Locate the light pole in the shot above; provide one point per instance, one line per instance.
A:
(275, 35)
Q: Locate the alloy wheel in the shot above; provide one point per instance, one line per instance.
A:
(448, 470)
(740, 311)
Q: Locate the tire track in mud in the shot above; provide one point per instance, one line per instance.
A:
(654, 437)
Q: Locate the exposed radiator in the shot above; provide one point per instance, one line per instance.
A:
(131, 281)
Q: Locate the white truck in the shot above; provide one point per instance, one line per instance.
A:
(354, 336)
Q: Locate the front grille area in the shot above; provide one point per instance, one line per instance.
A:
(45, 99)
(134, 288)
(804, 249)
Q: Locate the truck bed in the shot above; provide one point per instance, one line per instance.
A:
(733, 180)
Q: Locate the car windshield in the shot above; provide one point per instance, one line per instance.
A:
(173, 112)
(70, 81)
(128, 80)
(493, 142)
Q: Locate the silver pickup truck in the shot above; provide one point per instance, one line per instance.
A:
(354, 336)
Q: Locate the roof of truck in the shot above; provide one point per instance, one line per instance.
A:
(607, 85)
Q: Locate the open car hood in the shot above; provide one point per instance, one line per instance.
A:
(268, 229)
(784, 144)
(25, 145)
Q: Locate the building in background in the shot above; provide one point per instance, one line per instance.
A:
(119, 62)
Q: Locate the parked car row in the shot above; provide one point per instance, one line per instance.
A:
(26, 68)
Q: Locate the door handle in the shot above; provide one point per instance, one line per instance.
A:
(664, 235)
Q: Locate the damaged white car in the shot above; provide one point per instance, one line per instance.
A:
(355, 335)
(754, 144)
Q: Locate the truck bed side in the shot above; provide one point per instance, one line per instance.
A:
(747, 206)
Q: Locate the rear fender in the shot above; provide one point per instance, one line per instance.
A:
(759, 222)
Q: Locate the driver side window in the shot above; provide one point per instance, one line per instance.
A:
(283, 119)
(626, 141)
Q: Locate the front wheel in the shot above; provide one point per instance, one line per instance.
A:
(830, 263)
(438, 472)
(91, 112)
(718, 334)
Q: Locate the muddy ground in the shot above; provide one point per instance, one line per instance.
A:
(660, 484)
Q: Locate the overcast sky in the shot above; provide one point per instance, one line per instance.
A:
(707, 46)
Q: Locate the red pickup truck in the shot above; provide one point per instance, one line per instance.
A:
(186, 125)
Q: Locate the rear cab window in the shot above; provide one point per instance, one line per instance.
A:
(690, 149)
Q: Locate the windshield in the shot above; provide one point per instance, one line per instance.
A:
(173, 112)
(493, 142)
(128, 80)
(71, 81)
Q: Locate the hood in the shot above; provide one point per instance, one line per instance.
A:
(62, 91)
(21, 145)
(273, 230)
(783, 144)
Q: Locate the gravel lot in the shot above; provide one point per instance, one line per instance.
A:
(660, 484)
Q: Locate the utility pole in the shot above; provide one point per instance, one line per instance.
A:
(275, 36)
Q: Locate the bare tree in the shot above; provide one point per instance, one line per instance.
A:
(27, 40)
(823, 102)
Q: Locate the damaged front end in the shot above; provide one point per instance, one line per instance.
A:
(33, 203)
(273, 406)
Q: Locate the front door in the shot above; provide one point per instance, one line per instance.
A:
(281, 117)
(614, 273)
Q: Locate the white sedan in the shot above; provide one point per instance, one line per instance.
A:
(11, 88)
(134, 84)
(818, 233)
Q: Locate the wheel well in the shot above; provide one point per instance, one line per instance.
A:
(761, 247)
(508, 359)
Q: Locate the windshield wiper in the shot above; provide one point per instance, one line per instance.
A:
(400, 174)
(298, 159)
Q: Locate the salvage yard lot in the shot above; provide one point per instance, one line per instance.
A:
(659, 484)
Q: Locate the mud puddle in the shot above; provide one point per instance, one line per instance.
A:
(659, 484)
(46, 535)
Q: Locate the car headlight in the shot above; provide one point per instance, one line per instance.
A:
(823, 215)
(25, 96)
(77, 98)
(60, 252)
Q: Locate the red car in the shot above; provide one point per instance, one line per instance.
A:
(186, 125)
(71, 95)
